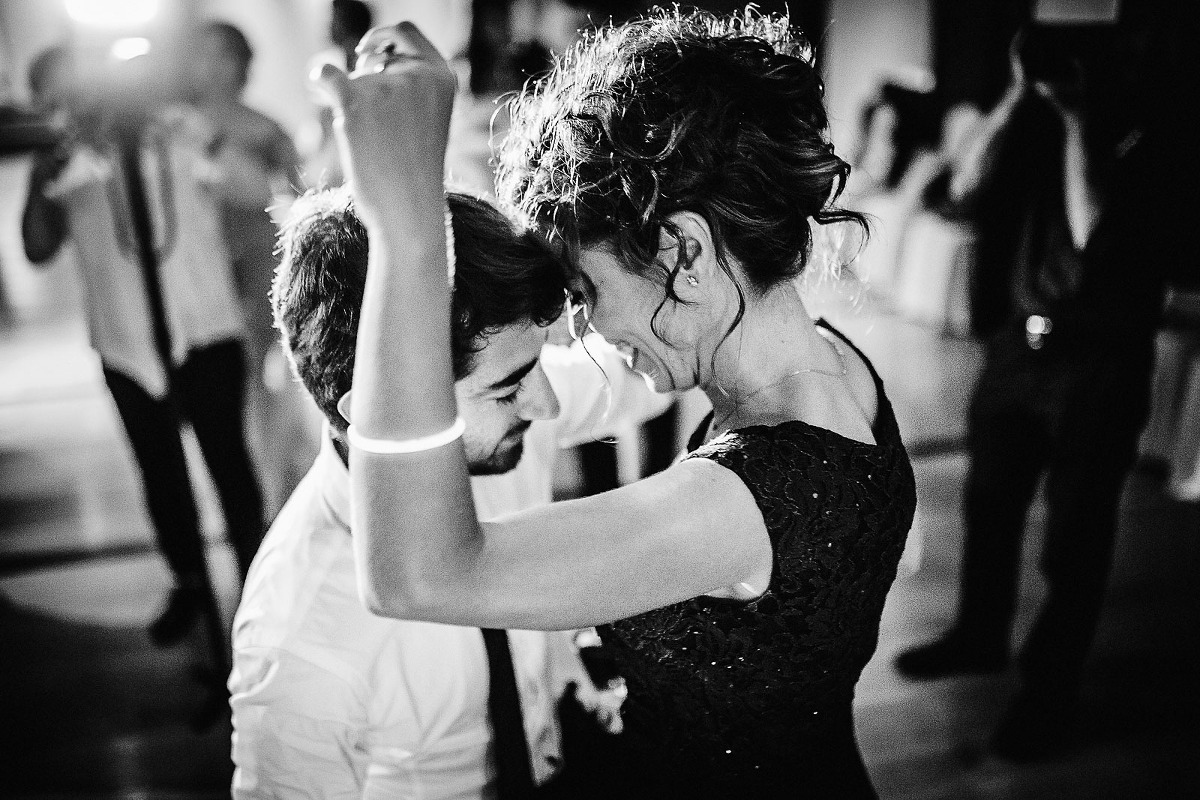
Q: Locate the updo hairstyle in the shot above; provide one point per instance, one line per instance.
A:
(680, 111)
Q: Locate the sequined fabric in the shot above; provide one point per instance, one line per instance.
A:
(752, 699)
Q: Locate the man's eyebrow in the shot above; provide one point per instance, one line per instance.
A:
(513, 378)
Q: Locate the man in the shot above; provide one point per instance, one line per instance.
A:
(1068, 177)
(257, 168)
(328, 699)
(257, 160)
(122, 186)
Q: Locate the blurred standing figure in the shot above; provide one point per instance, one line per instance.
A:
(258, 169)
(163, 316)
(1068, 179)
(349, 21)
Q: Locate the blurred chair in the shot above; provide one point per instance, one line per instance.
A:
(1172, 434)
(1183, 482)
(935, 257)
(935, 262)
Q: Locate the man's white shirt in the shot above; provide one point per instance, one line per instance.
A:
(194, 268)
(331, 701)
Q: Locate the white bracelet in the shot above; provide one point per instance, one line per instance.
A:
(420, 444)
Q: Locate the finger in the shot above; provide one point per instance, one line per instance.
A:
(373, 61)
(1014, 47)
(375, 39)
(332, 82)
(370, 63)
(401, 39)
(417, 42)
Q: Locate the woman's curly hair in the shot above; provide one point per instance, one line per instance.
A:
(680, 111)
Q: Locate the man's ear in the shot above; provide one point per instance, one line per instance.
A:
(693, 251)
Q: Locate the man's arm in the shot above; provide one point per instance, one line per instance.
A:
(299, 730)
(973, 170)
(1081, 195)
(44, 222)
(285, 160)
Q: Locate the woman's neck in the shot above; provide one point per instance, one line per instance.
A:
(759, 368)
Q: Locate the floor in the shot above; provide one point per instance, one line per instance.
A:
(91, 709)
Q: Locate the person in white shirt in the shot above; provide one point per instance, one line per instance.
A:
(328, 699)
(258, 169)
(127, 187)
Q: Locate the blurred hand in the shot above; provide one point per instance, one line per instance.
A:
(48, 164)
(391, 117)
(1066, 98)
(1017, 79)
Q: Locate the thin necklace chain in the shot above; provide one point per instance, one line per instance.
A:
(806, 371)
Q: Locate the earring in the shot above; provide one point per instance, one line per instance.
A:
(692, 280)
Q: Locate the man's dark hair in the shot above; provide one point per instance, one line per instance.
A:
(502, 277)
(235, 44)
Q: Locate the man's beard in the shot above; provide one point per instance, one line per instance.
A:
(504, 458)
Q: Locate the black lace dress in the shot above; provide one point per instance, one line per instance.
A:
(753, 699)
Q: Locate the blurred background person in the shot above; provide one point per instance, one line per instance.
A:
(897, 154)
(1065, 178)
(480, 118)
(349, 20)
(258, 169)
(123, 186)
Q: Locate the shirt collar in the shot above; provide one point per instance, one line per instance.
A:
(334, 478)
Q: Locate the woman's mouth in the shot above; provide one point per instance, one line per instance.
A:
(635, 361)
(628, 352)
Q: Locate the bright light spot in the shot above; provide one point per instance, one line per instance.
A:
(125, 49)
(112, 13)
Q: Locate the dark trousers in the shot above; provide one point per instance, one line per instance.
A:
(206, 390)
(1072, 410)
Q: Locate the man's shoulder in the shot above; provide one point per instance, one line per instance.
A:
(302, 593)
(302, 583)
(255, 126)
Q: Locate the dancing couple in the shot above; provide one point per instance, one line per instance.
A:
(675, 168)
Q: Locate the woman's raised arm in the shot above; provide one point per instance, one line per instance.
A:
(391, 119)
(421, 552)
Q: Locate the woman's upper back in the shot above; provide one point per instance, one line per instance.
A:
(708, 674)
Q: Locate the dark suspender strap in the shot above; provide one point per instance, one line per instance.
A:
(143, 228)
(514, 773)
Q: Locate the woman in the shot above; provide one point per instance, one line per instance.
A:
(678, 161)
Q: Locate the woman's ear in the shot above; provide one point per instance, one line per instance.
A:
(691, 250)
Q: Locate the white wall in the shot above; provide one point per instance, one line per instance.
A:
(286, 34)
(447, 23)
(26, 28)
(866, 42)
